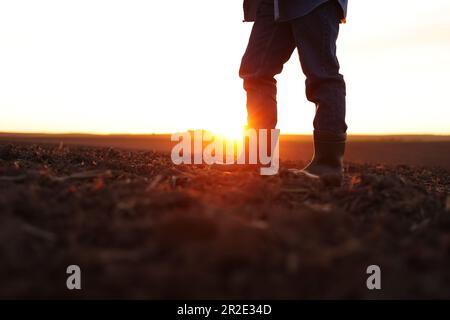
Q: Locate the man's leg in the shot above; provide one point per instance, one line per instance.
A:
(270, 46)
(315, 36)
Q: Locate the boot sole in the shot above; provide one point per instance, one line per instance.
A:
(328, 180)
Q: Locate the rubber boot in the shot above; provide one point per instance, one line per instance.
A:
(327, 162)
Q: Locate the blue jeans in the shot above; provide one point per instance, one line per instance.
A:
(271, 45)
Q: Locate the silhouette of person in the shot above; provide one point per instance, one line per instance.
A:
(311, 26)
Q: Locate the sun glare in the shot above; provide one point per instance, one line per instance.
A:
(231, 132)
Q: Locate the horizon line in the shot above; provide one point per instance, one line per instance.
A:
(170, 133)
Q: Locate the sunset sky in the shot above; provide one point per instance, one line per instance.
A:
(139, 66)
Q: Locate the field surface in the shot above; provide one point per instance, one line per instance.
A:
(141, 227)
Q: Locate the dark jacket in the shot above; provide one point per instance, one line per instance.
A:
(289, 9)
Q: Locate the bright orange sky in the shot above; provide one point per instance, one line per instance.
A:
(141, 66)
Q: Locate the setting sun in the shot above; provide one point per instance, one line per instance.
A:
(231, 133)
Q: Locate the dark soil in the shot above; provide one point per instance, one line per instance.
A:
(141, 227)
